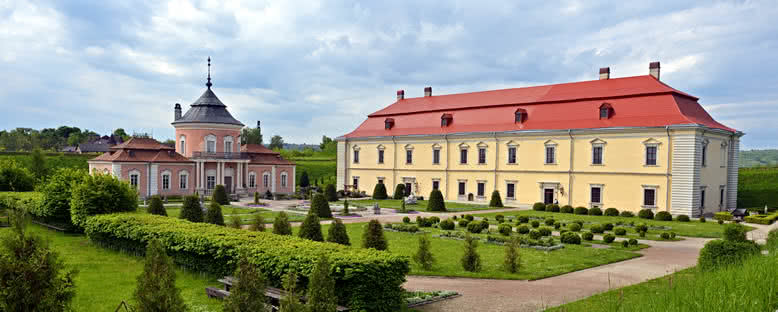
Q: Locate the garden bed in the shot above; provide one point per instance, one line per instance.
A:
(420, 298)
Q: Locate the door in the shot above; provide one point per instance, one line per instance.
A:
(407, 189)
(548, 196)
(228, 184)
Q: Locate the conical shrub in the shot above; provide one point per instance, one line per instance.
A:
(496, 200)
(156, 207)
(281, 224)
(471, 260)
(379, 192)
(214, 214)
(311, 228)
(248, 289)
(337, 233)
(423, 256)
(191, 209)
(321, 207)
(373, 237)
(436, 202)
(258, 224)
(291, 300)
(399, 191)
(220, 195)
(330, 193)
(156, 288)
(321, 289)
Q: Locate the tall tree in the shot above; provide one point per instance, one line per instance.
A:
(291, 301)
(304, 181)
(156, 290)
(321, 289)
(38, 163)
(276, 142)
(251, 136)
(373, 237)
(248, 290)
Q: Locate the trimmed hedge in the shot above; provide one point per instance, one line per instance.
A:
(435, 202)
(365, 279)
(723, 216)
(595, 211)
(575, 227)
(587, 236)
(504, 229)
(447, 225)
(539, 206)
(27, 201)
(611, 212)
(682, 218)
(566, 209)
(570, 238)
(663, 216)
(762, 219)
(552, 208)
(620, 231)
(596, 228)
(522, 229)
(718, 253)
(608, 238)
(646, 214)
(379, 192)
(581, 211)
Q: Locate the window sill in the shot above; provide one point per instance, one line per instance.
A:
(480, 197)
(436, 164)
(482, 164)
(510, 198)
(648, 207)
(512, 164)
(598, 165)
(650, 166)
(550, 164)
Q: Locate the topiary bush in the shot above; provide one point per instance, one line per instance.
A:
(101, 194)
(332, 195)
(504, 229)
(570, 238)
(535, 234)
(475, 227)
(496, 201)
(214, 214)
(633, 242)
(447, 225)
(702, 219)
(620, 231)
(191, 209)
(320, 206)
(682, 218)
(596, 228)
(399, 191)
(549, 221)
(595, 211)
(717, 253)
(663, 216)
(575, 227)
(523, 219)
(337, 233)
(220, 195)
(469, 217)
(545, 231)
(587, 236)
(611, 212)
(581, 211)
(625, 244)
(567, 209)
(722, 216)
(373, 237)
(608, 238)
(436, 202)
(406, 220)
(672, 235)
(557, 225)
(627, 214)
(607, 226)
(500, 218)
(646, 214)
(734, 232)
(539, 206)
(552, 208)
(665, 235)
(522, 229)
(535, 223)
(156, 207)
(463, 223)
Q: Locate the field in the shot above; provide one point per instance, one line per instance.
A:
(316, 169)
(421, 205)
(757, 187)
(53, 160)
(759, 158)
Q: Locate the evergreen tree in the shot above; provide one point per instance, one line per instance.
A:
(38, 164)
(512, 257)
(281, 224)
(256, 198)
(291, 301)
(220, 195)
(304, 182)
(399, 191)
(156, 290)
(373, 237)
(320, 206)
(259, 223)
(379, 192)
(423, 255)
(214, 214)
(321, 289)
(235, 222)
(496, 200)
(156, 207)
(311, 228)
(191, 209)
(471, 261)
(435, 202)
(337, 233)
(248, 289)
(345, 208)
(330, 193)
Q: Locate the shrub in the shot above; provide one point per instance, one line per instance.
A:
(435, 202)
(337, 233)
(535, 223)
(625, 244)
(505, 229)
(575, 227)
(406, 219)
(475, 227)
(627, 214)
(304, 180)
(156, 207)
(596, 228)
(545, 231)
(311, 228)
(56, 192)
(611, 212)
(399, 191)
(646, 214)
(495, 201)
(718, 253)
(259, 223)
(549, 221)
(522, 229)
(379, 192)
(607, 226)
(500, 218)
(471, 261)
(662, 216)
(539, 206)
(469, 217)
(281, 224)
(191, 209)
(220, 195)
(463, 222)
(567, 209)
(595, 211)
(682, 218)
(633, 242)
(256, 198)
(214, 214)
(447, 225)
(99, 194)
(570, 238)
(535, 234)
(735, 233)
(557, 225)
(268, 195)
(248, 289)
(321, 289)
(665, 235)
(702, 219)
(156, 289)
(235, 222)
(15, 178)
(523, 219)
(581, 211)
(320, 206)
(512, 261)
(608, 238)
(620, 231)
(722, 216)
(760, 219)
(423, 255)
(721, 222)
(373, 237)
(552, 208)
(672, 235)
(290, 302)
(587, 236)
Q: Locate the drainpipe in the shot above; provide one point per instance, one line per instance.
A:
(496, 158)
(345, 166)
(445, 137)
(394, 160)
(570, 172)
(669, 147)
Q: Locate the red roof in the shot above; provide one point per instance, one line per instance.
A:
(640, 101)
(141, 143)
(142, 150)
(269, 159)
(256, 149)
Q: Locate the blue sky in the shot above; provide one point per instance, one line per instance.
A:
(307, 68)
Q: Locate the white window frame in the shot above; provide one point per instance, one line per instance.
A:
(183, 179)
(408, 154)
(266, 179)
(650, 143)
(643, 196)
(228, 144)
(252, 179)
(552, 145)
(479, 182)
(436, 151)
(210, 140)
(284, 177)
(723, 154)
(515, 147)
(136, 174)
(166, 175)
(182, 142)
(704, 153)
(466, 149)
(381, 154)
(210, 179)
(601, 144)
(602, 193)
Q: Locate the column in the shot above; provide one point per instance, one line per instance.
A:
(273, 179)
(221, 173)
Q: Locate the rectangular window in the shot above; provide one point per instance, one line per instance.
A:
(356, 183)
(252, 181)
(462, 188)
(481, 187)
(210, 182)
(721, 197)
(603, 113)
(704, 155)
(356, 157)
(651, 155)
(649, 197)
(596, 195)
(166, 182)
(511, 192)
(283, 180)
(409, 157)
(482, 156)
(435, 184)
(550, 155)
(436, 157)
(265, 180)
(210, 146)
(597, 155)
(380, 157)
(702, 199)
(463, 156)
(183, 179)
(511, 155)
(228, 147)
(134, 180)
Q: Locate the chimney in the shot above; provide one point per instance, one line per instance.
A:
(428, 91)
(257, 124)
(177, 112)
(605, 73)
(400, 94)
(653, 69)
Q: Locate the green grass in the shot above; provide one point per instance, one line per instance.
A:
(316, 169)
(106, 277)
(757, 187)
(535, 264)
(693, 228)
(53, 160)
(420, 206)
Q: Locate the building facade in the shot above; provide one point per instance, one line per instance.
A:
(629, 143)
(208, 152)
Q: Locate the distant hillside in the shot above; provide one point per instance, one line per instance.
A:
(300, 147)
(759, 158)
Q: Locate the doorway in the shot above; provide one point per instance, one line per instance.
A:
(548, 196)
(228, 184)
(407, 188)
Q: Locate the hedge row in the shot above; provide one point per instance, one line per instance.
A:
(27, 201)
(366, 279)
(762, 219)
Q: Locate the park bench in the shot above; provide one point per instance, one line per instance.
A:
(274, 294)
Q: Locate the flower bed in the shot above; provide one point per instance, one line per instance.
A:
(419, 298)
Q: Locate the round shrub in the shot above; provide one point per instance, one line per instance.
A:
(588, 236)
(663, 216)
(535, 234)
(611, 212)
(523, 219)
(641, 228)
(620, 231)
(539, 206)
(454, 217)
(570, 238)
(579, 222)
(463, 222)
(379, 192)
(646, 214)
(406, 220)
(734, 233)
(535, 223)
(581, 211)
(595, 211)
(721, 222)
(608, 238)
(156, 207)
(545, 231)
(627, 214)
(607, 226)
(99, 194)
(522, 229)
(15, 178)
(566, 209)
(557, 225)
(505, 229)
(575, 227)
(422, 222)
(665, 235)
(447, 225)
(625, 244)
(596, 228)
(552, 208)
(433, 219)
(702, 219)
(633, 242)
(500, 218)
(55, 207)
(469, 217)
(682, 218)
(214, 214)
(436, 202)
(475, 227)
(718, 253)
(549, 221)
(672, 235)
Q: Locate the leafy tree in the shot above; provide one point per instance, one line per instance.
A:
(423, 255)
(276, 142)
(320, 206)
(373, 237)
(57, 191)
(304, 182)
(119, 132)
(38, 164)
(214, 214)
(156, 290)
(399, 191)
(32, 276)
(251, 136)
(379, 192)
(99, 194)
(337, 233)
(156, 207)
(330, 193)
(14, 177)
(281, 224)
(436, 202)
(248, 289)
(311, 228)
(496, 200)
(326, 142)
(471, 261)
(321, 289)
(512, 258)
(291, 301)
(258, 224)
(191, 209)
(220, 195)
(235, 222)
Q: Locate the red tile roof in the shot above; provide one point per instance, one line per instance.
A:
(640, 101)
(269, 159)
(130, 155)
(256, 149)
(141, 143)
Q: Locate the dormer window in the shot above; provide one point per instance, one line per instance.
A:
(606, 111)
(446, 120)
(388, 123)
(520, 115)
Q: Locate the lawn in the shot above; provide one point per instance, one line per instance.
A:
(535, 264)
(421, 205)
(694, 228)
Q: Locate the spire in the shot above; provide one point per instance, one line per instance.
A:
(209, 84)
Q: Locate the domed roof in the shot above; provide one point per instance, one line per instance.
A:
(208, 108)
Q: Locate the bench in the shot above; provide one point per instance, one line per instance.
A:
(274, 294)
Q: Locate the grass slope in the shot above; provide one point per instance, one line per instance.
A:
(757, 187)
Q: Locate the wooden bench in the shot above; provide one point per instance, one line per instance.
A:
(274, 294)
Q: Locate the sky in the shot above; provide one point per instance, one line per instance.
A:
(313, 68)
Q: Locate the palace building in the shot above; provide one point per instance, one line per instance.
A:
(208, 152)
(630, 143)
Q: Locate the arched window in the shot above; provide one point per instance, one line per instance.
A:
(166, 180)
(252, 179)
(183, 179)
(183, 145)
(228, 144)
(283, 179)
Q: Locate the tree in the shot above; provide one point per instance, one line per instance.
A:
(14, 177)
(436, 202)
(379, 192)
(399, 191)
(291, 301)
(496, 200)
(235, 222)
(100, 194)
(328, 146)
(57, 191)
(321, 289)
(156, 207)
(311, 228)
(256, 198)
(259, 223)
(471, 261)
(512, 257)
(320, 206)
(276, 142)
(119, 132)
(423, 255)
(304, 182)
(251, 136)
(191, 209)
(330, 193)
(281, 224)
(38, 164)
(32, 276)
(220, 195)
(156, 290)
(337, 233)
(345, 208)
(248, 289)
(373, 237)
(214, 214)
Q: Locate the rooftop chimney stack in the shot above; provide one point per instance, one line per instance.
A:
(257, 124)
(605, 73)
(653, 69)
(177, 112)
(428, 91)
(400, 94)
